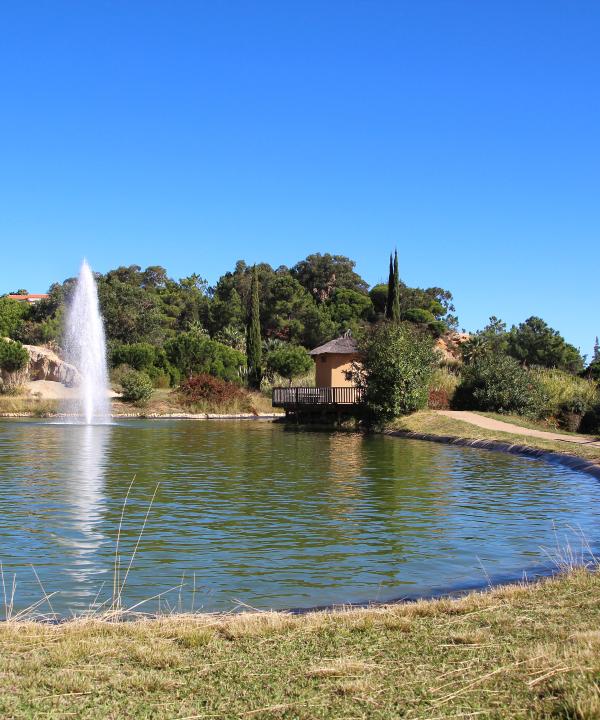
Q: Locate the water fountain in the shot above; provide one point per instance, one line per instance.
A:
(85, 347)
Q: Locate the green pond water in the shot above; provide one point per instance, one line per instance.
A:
(250, 512)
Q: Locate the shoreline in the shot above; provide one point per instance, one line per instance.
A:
(573, 461)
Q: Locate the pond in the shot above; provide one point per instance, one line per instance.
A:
(251, 513)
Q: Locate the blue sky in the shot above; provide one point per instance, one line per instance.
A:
(193, 134)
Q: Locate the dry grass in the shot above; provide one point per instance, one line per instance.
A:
(163, 402)
(28, 404)
(515, 652)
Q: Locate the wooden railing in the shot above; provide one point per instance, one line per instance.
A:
(302, 396)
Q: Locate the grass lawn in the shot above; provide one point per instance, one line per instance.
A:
(428, 421)
(514, 652)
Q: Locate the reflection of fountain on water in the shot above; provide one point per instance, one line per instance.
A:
(85, 347)
(84, 451)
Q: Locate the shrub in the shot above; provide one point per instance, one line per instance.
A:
(137, 387)
(207, 389)
(438, 399)
(13, 356)
(497, 383)
(590, 422)
(571, 414)
(395, 372)
(289, 361)
(562, 388)
(442, 387)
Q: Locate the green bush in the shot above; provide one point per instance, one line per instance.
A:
(563, 389)
(13, 356)
(289, 361)
(590, 422)
(137, 387)
(497, 383)
(395, 371)
(442, 387)
(570, 415)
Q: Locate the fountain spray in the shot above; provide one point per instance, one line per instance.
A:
(85, 347)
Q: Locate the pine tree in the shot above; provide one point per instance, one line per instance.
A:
(390, 293)
(253, 340)
(396, 303)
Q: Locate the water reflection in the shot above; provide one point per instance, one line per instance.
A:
(84, 451)
(275, 518)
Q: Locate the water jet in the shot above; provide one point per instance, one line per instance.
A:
(85, 347)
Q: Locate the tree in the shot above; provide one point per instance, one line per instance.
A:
(320, 275)
(12, 315)
(391, 292)
(13, 356)
(392, 306)
(192, 352)
(253, 340)
(492, 340)
(396, 300)
(395, 370)
(348, 306)
(289, 361)
(378, 294)
(533, 342)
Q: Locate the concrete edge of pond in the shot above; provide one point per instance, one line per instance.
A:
(572, 461)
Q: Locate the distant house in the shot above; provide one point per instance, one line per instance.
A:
(333, 362)
(30, 298)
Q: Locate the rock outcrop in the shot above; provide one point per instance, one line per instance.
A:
(449, 346)
(44, 364)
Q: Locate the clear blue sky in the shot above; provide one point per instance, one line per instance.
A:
(192, 134)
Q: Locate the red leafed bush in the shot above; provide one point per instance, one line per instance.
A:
(205, 388)
(438, 400)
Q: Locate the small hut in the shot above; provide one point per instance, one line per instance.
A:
(333, 362)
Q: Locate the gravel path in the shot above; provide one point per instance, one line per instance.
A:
(491, 424)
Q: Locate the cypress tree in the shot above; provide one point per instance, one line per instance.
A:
(396, 303)
(390, 293)
(253, 341)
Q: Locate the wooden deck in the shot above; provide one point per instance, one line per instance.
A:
(316, 398)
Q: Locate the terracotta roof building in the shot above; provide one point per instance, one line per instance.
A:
(29, 298)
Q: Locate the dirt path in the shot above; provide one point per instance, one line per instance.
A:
(491, 424)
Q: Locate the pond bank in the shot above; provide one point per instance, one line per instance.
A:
(519, 651)
(436, 427)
